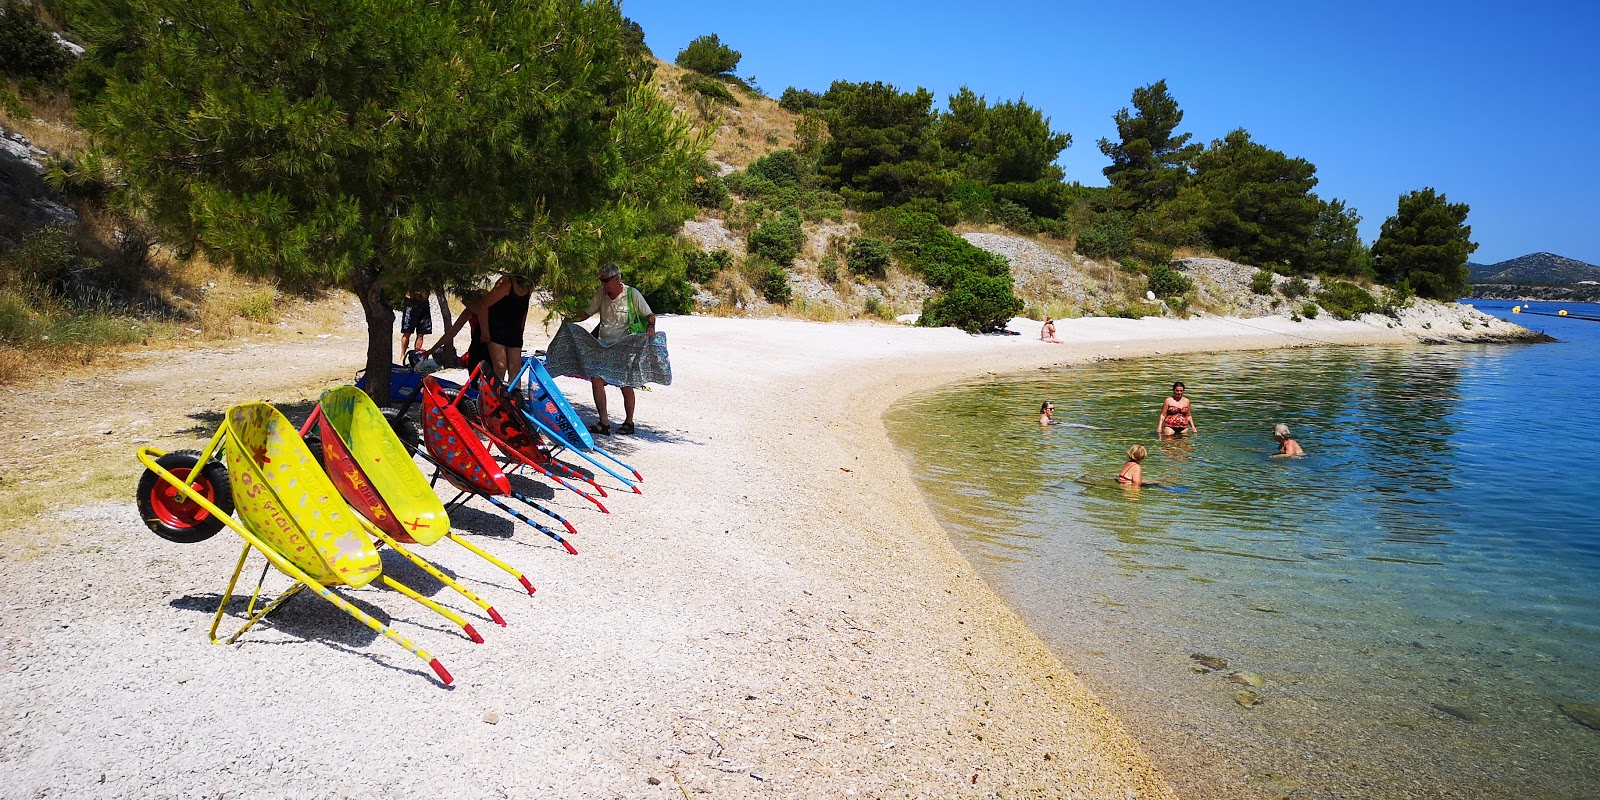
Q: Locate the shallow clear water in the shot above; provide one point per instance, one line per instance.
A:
(1420, 592)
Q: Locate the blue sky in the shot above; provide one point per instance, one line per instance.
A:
(1494, 104)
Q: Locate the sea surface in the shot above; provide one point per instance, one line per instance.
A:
(1412, 609)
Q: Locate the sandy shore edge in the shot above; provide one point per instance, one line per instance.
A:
(779, 616)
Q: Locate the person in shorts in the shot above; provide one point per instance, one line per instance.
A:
(415, 318)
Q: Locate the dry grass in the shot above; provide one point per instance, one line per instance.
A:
(742, 133)
(1192, 252)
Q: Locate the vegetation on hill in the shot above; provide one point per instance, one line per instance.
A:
(301, 155)
(481, 138)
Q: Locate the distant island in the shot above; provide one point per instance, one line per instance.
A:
(1536, 276)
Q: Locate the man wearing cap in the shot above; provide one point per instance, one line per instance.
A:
(623, 311)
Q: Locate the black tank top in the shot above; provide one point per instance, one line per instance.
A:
(507, 317)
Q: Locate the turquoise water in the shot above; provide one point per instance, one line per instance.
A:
(1419, 594)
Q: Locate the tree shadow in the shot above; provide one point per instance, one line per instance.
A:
(208, 419)
(483, 523)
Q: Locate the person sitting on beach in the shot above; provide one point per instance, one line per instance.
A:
(1047, 413)
(1175, 417)
(1132, 473)
(1286, 445)
(1048, 332)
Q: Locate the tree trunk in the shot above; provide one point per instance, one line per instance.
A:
(444, 308)
(380, 333)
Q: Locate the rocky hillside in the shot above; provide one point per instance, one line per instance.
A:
(1535, 269)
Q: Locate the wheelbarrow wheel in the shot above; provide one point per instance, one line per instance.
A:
(404, 428)
(468, 406)
(171, 515)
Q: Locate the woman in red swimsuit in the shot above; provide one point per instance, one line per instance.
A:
(1175, 419)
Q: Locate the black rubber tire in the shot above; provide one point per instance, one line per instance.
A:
(468, 405)
(404, 428)
(314, 444)
(169, 521)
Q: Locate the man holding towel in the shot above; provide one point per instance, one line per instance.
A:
(623, 311)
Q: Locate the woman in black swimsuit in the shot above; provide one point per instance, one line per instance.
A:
(505, 310)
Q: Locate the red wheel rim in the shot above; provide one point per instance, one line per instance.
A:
(176, 511)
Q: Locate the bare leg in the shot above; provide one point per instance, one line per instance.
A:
(497, 359)
(627, 403)
(405, 344)
(513, 366)
(599, 386)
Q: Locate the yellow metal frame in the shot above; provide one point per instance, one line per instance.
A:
(387, 464)
(302, 577)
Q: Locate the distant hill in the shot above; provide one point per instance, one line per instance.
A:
(1541, 269)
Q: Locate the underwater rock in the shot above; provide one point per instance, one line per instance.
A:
(1582, 713)
(1210, 662)
(1249, 679)
(1463, 714)
(1247, 699)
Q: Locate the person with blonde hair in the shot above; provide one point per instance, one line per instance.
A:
(1132, 473)
(1286, 445)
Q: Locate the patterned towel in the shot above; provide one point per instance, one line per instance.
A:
(633, 360)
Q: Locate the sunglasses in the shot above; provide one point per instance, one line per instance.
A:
(604, 281)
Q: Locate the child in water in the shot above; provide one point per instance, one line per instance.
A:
(1132, 474)
(1286, 445)
(1047, 413)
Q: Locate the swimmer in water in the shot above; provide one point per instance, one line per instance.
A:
(1286, 445)
(1132, 473)
(1047, 413)
(1175, 418)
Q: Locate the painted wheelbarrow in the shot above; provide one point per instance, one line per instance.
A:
(458, 456)
(501, 420)
(550, 412)
(374, 472)
(287, 510)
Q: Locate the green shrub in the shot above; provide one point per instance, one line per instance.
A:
(1261, 282)
(1346, 300)
(877, 308)
(1166, 281)
(709, 189)
(1151, 252)
(1295, 288)
(257, 305)
(1056, 228)
(1136, 311)
(775, 286)
(700, 266)
(707, 55)
(828, 270)
(1309, 310)
(1397, 296)
(1109, 236)
(41, 264)
(869, 257)
(778, 240)
(799, 100)
(976, 304)
(1015, 217)
(781, 167)
(943, 258)
(27, 48)
(12, 105)
(710, 87)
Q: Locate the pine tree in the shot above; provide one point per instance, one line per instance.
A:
(1150, 162)
(1426, 243)
(378, 145)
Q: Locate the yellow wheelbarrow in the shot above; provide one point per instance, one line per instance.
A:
(288, 510)
(373, 469)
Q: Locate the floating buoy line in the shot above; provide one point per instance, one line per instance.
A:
(1561, 313)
